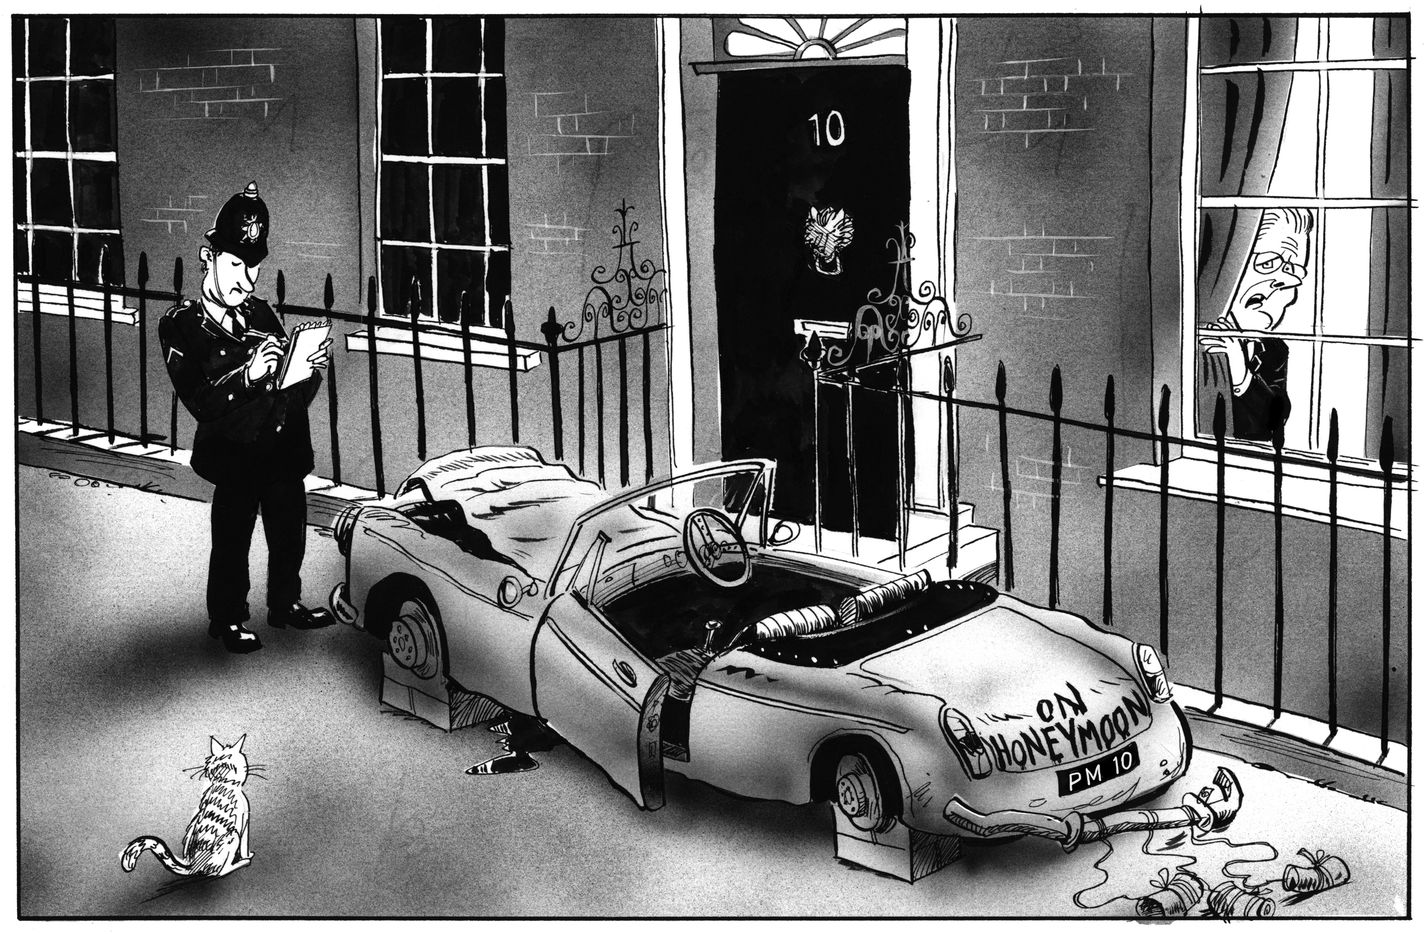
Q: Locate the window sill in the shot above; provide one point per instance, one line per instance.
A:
(487, 347)
(1305, 493)
(88, 303)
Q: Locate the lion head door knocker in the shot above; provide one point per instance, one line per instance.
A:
(828, 232)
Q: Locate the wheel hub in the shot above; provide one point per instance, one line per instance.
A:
(851, 796)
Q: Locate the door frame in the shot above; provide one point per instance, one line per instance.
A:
(931, 53)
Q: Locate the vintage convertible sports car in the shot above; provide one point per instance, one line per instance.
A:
(672, 627)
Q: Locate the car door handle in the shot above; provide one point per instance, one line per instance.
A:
(626, 673)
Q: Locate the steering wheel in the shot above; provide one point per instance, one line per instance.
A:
(715, 548)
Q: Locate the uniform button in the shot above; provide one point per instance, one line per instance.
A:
(279, 428)
(222, 353)
(229, 397)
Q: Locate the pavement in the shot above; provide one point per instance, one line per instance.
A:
(366, 812)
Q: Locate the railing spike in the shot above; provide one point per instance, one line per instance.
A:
(142, 270)
(1055, 391)
(1110, 398)
(328, 295)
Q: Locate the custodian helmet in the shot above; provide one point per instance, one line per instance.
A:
(241, 227)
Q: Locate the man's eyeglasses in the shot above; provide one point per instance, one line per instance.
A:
(1271, 263)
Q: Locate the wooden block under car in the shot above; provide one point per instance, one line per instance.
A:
(901, 851)
(433, 700)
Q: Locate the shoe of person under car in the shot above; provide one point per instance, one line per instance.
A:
(236, 638)
(297, 616)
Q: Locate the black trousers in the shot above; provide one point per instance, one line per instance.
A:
(283, 504)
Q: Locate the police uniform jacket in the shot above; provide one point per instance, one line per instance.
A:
(247, 432)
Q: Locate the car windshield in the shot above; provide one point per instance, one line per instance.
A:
(641, 530)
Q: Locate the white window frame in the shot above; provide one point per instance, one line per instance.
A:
(1193, 205)
(89, 302)
(430, 318)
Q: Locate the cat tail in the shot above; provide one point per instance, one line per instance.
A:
(159, 849)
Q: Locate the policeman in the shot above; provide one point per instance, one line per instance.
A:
(252, 443)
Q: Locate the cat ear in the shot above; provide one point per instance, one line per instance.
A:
(238, 745)
(216, 746)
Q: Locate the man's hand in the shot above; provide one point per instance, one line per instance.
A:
(264, 360)
(1233, 349)
(321, 356)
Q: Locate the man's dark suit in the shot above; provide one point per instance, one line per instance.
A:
(1251, 411)
(252, 442)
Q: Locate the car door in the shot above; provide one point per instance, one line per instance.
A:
(599, 692)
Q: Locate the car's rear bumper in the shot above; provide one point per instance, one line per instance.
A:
(1211, 809)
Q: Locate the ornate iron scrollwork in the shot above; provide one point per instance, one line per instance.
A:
(624, 299)
(899, 319)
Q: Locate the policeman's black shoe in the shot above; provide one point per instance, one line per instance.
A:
(235, 637)
(299, 617)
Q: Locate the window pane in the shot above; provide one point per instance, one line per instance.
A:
(1258, 134)
(494, 44)
(462, 277)
(22, 212)
(1348, 144)
(46, 45)
(405, 273)
(47, 128)
(1387, 396)
(456, 43)
(1351, 37)
(495, 124)
(1236, 40)
(95, 249)
(1391, 36)
(1237, 279)
(96, 194)
(17, 124)
(405, 204)
(402, 44)
(497, 285)
(1390, 135)
(91, 45)
(54, 254)
(456, 112)
(1389, 271)
(498, 197)
(49, 185)
(459, 204)
(91, 114)
(403, 130)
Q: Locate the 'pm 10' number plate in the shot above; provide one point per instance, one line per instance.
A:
(1104, 769)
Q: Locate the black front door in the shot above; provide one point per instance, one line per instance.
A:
(790, 140)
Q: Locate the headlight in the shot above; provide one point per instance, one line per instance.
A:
(972, 752)
(1153, 674)
(344, 528)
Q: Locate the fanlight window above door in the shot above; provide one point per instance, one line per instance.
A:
(809, 38)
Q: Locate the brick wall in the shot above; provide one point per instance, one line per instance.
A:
(214, 84)
(206, 105)
(1042, 97)
(574, 130)
(582, 114)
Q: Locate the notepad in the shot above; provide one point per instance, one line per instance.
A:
(306, 339)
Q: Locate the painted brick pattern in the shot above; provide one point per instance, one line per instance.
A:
(1040, 98)
(1046, 275)
(556, 237)
(574, 130)
(175, 217)
(1033, 476)
(215, 84)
